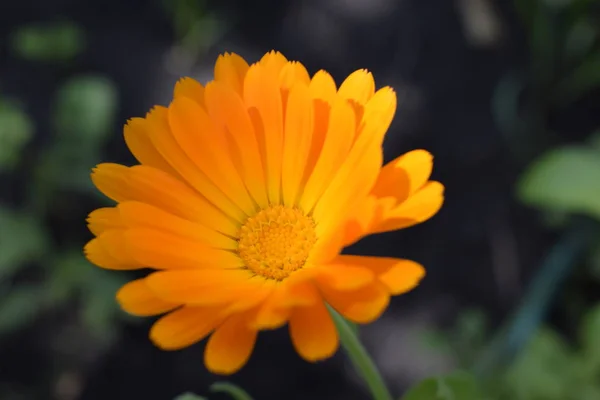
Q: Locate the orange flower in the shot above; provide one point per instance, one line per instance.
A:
(248, 189)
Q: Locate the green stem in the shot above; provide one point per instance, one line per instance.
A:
(360, 358)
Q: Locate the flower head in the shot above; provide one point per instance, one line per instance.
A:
(248, 189)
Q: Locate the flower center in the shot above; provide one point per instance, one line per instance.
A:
(276, 241)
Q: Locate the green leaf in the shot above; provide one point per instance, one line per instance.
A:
(22, 240)
(56, 42)
(566, 179)
(234, 391)
(16, 130)
(189, 396)
(19, 308)
(590, 339)
(543, 370)
(85, 111)
(457, 386)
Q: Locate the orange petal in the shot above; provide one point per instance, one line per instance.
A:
(361, 306)
(344, 277)
(378, 114)
(313, 333)
(404, 176)
(206, 145)
(111, 180)
(231, 69)
(418, 208)
(157, 188)
(347, 190)
(162, 250)
(184, 327)
(140, 215)
(202, 287)
(104, 219)
(110, 251)
(273, 62)
(136, 298)
(230, 346)
(293, 73)
(139, 143)
(164, 141)
(358, 86)
(398, 275)
(322, 86)
(261, 91)
(297, 141)
(98, 255)
(338, 141)
(228, 110)
(191, 89)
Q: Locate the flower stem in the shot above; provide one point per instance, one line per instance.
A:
(360, 358)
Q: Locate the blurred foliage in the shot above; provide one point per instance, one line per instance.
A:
(48, 42)
(565, 179)
(16, 130)
(38, 274)
(549, 368)
(564, 49)
(457, 386)
(230, 389)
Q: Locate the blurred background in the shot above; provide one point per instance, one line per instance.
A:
(504, 93)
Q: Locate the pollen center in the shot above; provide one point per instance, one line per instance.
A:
(276, 241)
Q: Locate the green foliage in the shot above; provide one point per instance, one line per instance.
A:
(565, 179)
(16, 130)
(549, 368)
(85, 108)
(58, 42)
(232, 390)
(457, 386)
(189, 396)
(36, 275)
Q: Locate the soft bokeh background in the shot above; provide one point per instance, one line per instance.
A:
(504, 93)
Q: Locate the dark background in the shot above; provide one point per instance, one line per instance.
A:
(475, 81)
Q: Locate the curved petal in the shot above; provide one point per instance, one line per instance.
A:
(231, 69)
(344, 277)
(418, 208)
(164, 140)
(162, 250)
(191, 89)
(229, 112)
(136, 298)
(322, 86)
(296, 142)
(184, 327)
(110, 251)
(358, 86)
(291, 74)
(111, 180)
(362, 306)
(139, 143)
(336, 145)
(313, 332)
(398, 275)
(403, 176)
(206, 146)
(104, 219)
(134, 214)
(261, 93)
(230, 346)
(202, 287)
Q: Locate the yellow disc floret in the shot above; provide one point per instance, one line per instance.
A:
(277, 241)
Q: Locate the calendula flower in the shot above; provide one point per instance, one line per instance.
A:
(248, 189)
